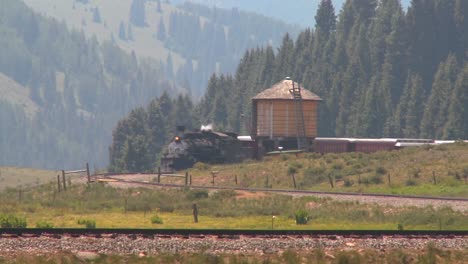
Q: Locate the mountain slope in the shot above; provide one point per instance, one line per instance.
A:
(299, 12)
(182, 37)
(62, 93)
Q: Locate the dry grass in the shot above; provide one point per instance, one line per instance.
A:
(13, 177)
(438, 171)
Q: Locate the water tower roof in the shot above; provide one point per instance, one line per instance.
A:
(281, 89)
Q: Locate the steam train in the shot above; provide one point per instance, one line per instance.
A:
(224, 147)
(205, 146)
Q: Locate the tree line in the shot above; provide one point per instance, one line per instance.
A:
(382, 72)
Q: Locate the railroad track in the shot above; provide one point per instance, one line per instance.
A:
(285, 191)
(226, 233)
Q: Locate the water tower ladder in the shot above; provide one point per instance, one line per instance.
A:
(302, 143)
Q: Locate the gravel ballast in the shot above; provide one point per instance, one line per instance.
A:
(123, 245)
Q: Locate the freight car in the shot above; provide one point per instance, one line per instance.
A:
(366, 145)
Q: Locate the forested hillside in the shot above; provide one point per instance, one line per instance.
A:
(64, 85)
(381, 71)
(189, 40)
(63, 93)
(294, 12)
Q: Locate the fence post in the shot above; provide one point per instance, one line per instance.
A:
(195, 213)
(159, 174)
(294, 180)
(330, 179)
(20, 194)
(58, 182)
(190, 179)
(434, 178)
(87, 172)
(63, 181)
(186, 178)
(235, 178)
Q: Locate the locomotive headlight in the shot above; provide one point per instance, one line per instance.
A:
(177, 139)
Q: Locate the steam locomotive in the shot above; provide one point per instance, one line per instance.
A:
(205, 146)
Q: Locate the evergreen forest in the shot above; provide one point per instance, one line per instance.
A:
(382, 71)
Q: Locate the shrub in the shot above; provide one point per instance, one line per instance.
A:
(376, 179)
(380, 170)
(197, 194)
(89, 224)
(348, 183)
(411, 182)
(155, 219)
(44, 224)
(201, 166)
(224, 194)
(296, 164)
(416, 173)
(166, 207)
(302, 217)
(12, 221)
(292, 170)
(337, 166)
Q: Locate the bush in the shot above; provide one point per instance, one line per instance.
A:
(44, 224)
(302, 217)
(197, 194)
(166, 207)
(89, 224)
(337, 166)
(380, 170)
(155, 219)
(411, 182)
(348, 183)
(11, 221)
(292, 170)
(376, 179)
(201, 166)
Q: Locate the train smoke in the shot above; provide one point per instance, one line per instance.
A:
(208, 127)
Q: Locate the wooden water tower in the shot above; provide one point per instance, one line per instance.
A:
(284, 115)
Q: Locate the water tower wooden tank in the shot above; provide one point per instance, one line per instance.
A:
(284, 115)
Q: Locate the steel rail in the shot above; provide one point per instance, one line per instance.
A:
(288, 190)
(332, 234)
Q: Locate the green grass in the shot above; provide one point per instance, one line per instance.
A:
(112, 208)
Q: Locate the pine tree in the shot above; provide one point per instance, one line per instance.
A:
(414, 107)
(456, 126)
(96, 16)
(122, 34)
(138, 13)
(436, 111)
(158, 8)
(325, 19)
(161, 30)
(130, 32)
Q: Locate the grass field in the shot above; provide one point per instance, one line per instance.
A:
(428, 170)
(13, 177)
(110, 207)
(410, 172)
